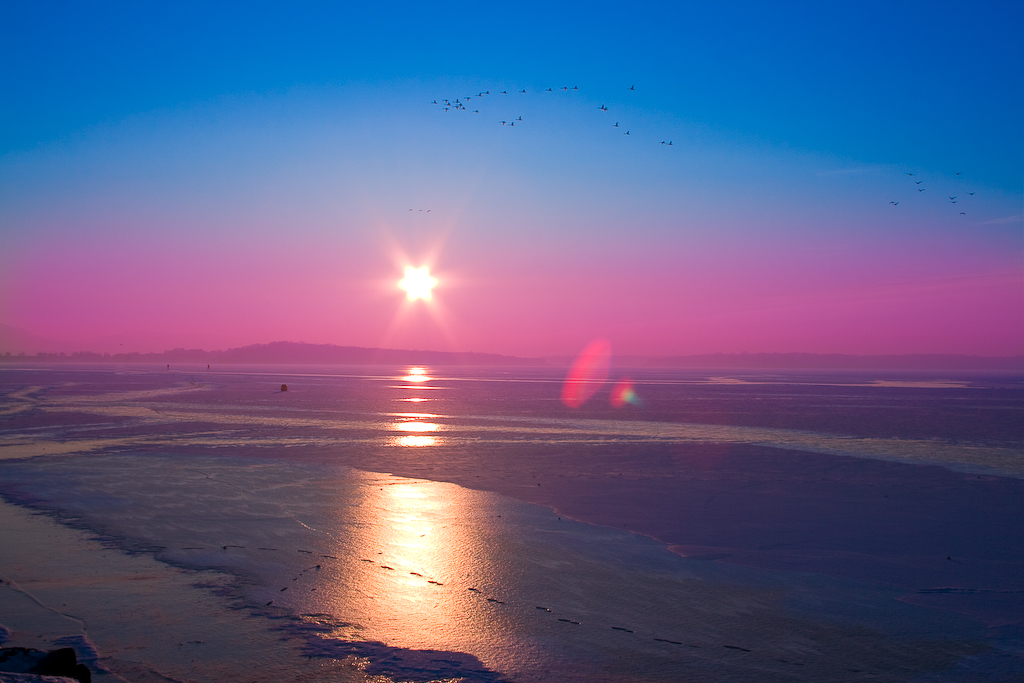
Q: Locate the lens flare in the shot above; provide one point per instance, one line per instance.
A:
(623, 393)
(588, 373)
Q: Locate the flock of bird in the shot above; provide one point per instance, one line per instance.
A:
(951, 198)
(459, 104)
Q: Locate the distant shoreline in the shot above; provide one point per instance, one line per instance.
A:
(294, 353)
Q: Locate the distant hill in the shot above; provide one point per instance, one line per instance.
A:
(330, 354)
(287, 353)
(16, 340)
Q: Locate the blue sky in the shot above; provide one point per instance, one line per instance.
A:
(935, 83)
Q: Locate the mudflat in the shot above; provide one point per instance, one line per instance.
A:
(787, 499)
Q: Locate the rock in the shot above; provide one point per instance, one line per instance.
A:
(26, 664)
(19, 659)
(33, 678)
(63, 662)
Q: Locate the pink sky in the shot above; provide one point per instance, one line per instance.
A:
(648, 295)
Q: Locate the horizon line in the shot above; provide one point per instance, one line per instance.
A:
(308, 353)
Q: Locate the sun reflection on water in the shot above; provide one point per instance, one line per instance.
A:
(415, 441)
(415, 549)
(415, 422)
(416, 426)
(417, 375)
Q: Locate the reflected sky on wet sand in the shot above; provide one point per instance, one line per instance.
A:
(381, 561)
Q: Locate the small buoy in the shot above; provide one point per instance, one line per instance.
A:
(284, 387)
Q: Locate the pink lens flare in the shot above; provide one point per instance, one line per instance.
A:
(588, 373)
(623, 393)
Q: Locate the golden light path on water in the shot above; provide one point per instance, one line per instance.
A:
(413, 422)
(422, 540)
(425, 553)
(415, 558)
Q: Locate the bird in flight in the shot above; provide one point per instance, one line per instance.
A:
(616, 125)
(565, 88)
(952, 197)
(504, 92)
(549, 89)
(962, 213)
(663, 142)
(603, 108)
(918, 182)
(958, 173)
(971, 193)
(895, 203)
(921, 189)
(626, 133)
(502, 122)
(910, 174)
(520, 118)
(669, 143)
(523, 91)
(434, 102)
(632, 87)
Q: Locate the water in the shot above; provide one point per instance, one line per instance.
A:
(414, 524)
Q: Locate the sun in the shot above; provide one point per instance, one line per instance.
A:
(417, 283)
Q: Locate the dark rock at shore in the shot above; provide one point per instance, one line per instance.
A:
(61, 662)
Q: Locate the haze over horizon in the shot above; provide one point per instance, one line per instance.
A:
(841, 179)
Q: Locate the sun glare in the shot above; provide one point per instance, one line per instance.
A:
(417, 283)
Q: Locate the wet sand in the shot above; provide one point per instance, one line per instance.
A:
(133, 618)
(409, 573)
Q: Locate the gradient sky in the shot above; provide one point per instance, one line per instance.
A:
(188, 174)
